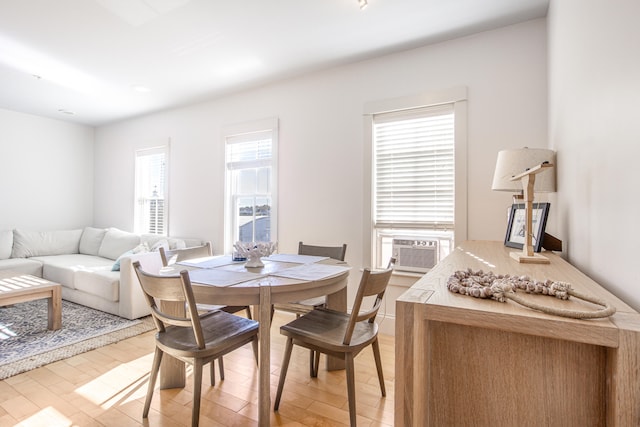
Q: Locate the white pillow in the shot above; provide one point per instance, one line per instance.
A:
(43, 243)
(160, 244)
(142, 247)
(6, 243)
(177, 244)
(116, 242)
(91, 240)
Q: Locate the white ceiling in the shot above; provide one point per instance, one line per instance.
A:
(80, 60)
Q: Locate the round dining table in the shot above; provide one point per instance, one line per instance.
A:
(275, 282)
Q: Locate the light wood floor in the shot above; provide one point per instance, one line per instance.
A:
(107, 386)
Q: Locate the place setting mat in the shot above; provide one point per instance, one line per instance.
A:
(295, 259)
(209, 262)
(312, 271)
(219, 277)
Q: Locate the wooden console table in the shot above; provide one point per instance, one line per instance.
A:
(463, 361)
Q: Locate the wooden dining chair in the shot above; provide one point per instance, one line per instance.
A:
(194, 339)
(340, 334)
(173, 256)
(305, 306)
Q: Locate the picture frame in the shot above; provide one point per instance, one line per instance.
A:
(515, 228)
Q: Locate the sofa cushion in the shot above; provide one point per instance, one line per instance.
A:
(6, 243)
(22, 265)
(62, 268)
(91, 240)
(116, 242)
(44, 243)
(99, 281)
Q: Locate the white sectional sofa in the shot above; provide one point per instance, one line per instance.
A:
(93, 265)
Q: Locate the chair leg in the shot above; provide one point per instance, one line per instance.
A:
(254, 344)
(248, 309)
(283, 372)
(314, 363)
(312, 370)
(376, 356)
(212, 373)
(153, 375)
(351, 388)
(197, 391)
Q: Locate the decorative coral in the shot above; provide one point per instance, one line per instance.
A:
(254, 251)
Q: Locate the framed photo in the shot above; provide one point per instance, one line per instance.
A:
(517, 222)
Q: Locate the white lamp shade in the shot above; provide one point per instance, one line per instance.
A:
(514, 162)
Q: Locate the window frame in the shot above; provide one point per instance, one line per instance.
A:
(244, 131)
(143, 152)
(457, 96)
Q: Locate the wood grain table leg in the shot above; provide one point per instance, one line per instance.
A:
(172, 370)
(337, 301)
(54, 313)
(623, 370)
(264, 376)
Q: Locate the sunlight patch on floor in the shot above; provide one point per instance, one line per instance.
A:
(49, 417)
(120, 385)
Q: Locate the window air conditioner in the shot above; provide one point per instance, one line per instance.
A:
(415, 254)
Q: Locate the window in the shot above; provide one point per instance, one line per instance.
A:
(415, 182)
(151, 207)
(251, 158)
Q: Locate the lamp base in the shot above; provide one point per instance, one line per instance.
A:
(533, 259)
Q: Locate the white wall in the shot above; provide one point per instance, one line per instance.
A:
(594, 83)
(46, 173)
(321, 139)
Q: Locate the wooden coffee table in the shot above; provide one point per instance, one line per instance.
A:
(16, 287)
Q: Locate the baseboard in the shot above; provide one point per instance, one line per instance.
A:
(386, 324)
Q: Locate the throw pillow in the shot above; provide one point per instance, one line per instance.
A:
(116, 242)
(177, 244)
(160, 244)
(91, 240)
(138, 249)
(42, 243)
(6, 243)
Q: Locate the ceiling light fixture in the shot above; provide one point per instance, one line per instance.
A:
(363, 4)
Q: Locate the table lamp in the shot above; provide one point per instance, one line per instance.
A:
(525, 170)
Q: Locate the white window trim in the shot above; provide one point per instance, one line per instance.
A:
(456, 96)
(245, 128)
(166, 148)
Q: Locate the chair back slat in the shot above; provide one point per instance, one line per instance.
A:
(171, 256)
(335, 252)
(170, 289)
(371, 283)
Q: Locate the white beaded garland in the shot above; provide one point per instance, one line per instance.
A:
(479, 284)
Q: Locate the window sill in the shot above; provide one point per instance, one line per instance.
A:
(405, 278)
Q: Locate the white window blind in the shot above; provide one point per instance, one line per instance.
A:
(414, 168)
(151, 201)
(249, 150)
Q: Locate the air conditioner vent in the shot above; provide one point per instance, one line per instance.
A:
(419, 255)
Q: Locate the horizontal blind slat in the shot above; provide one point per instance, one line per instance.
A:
(414, 168)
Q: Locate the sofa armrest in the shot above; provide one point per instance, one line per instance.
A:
(132, 301)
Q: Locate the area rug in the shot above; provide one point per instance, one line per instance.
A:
(26, 343)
